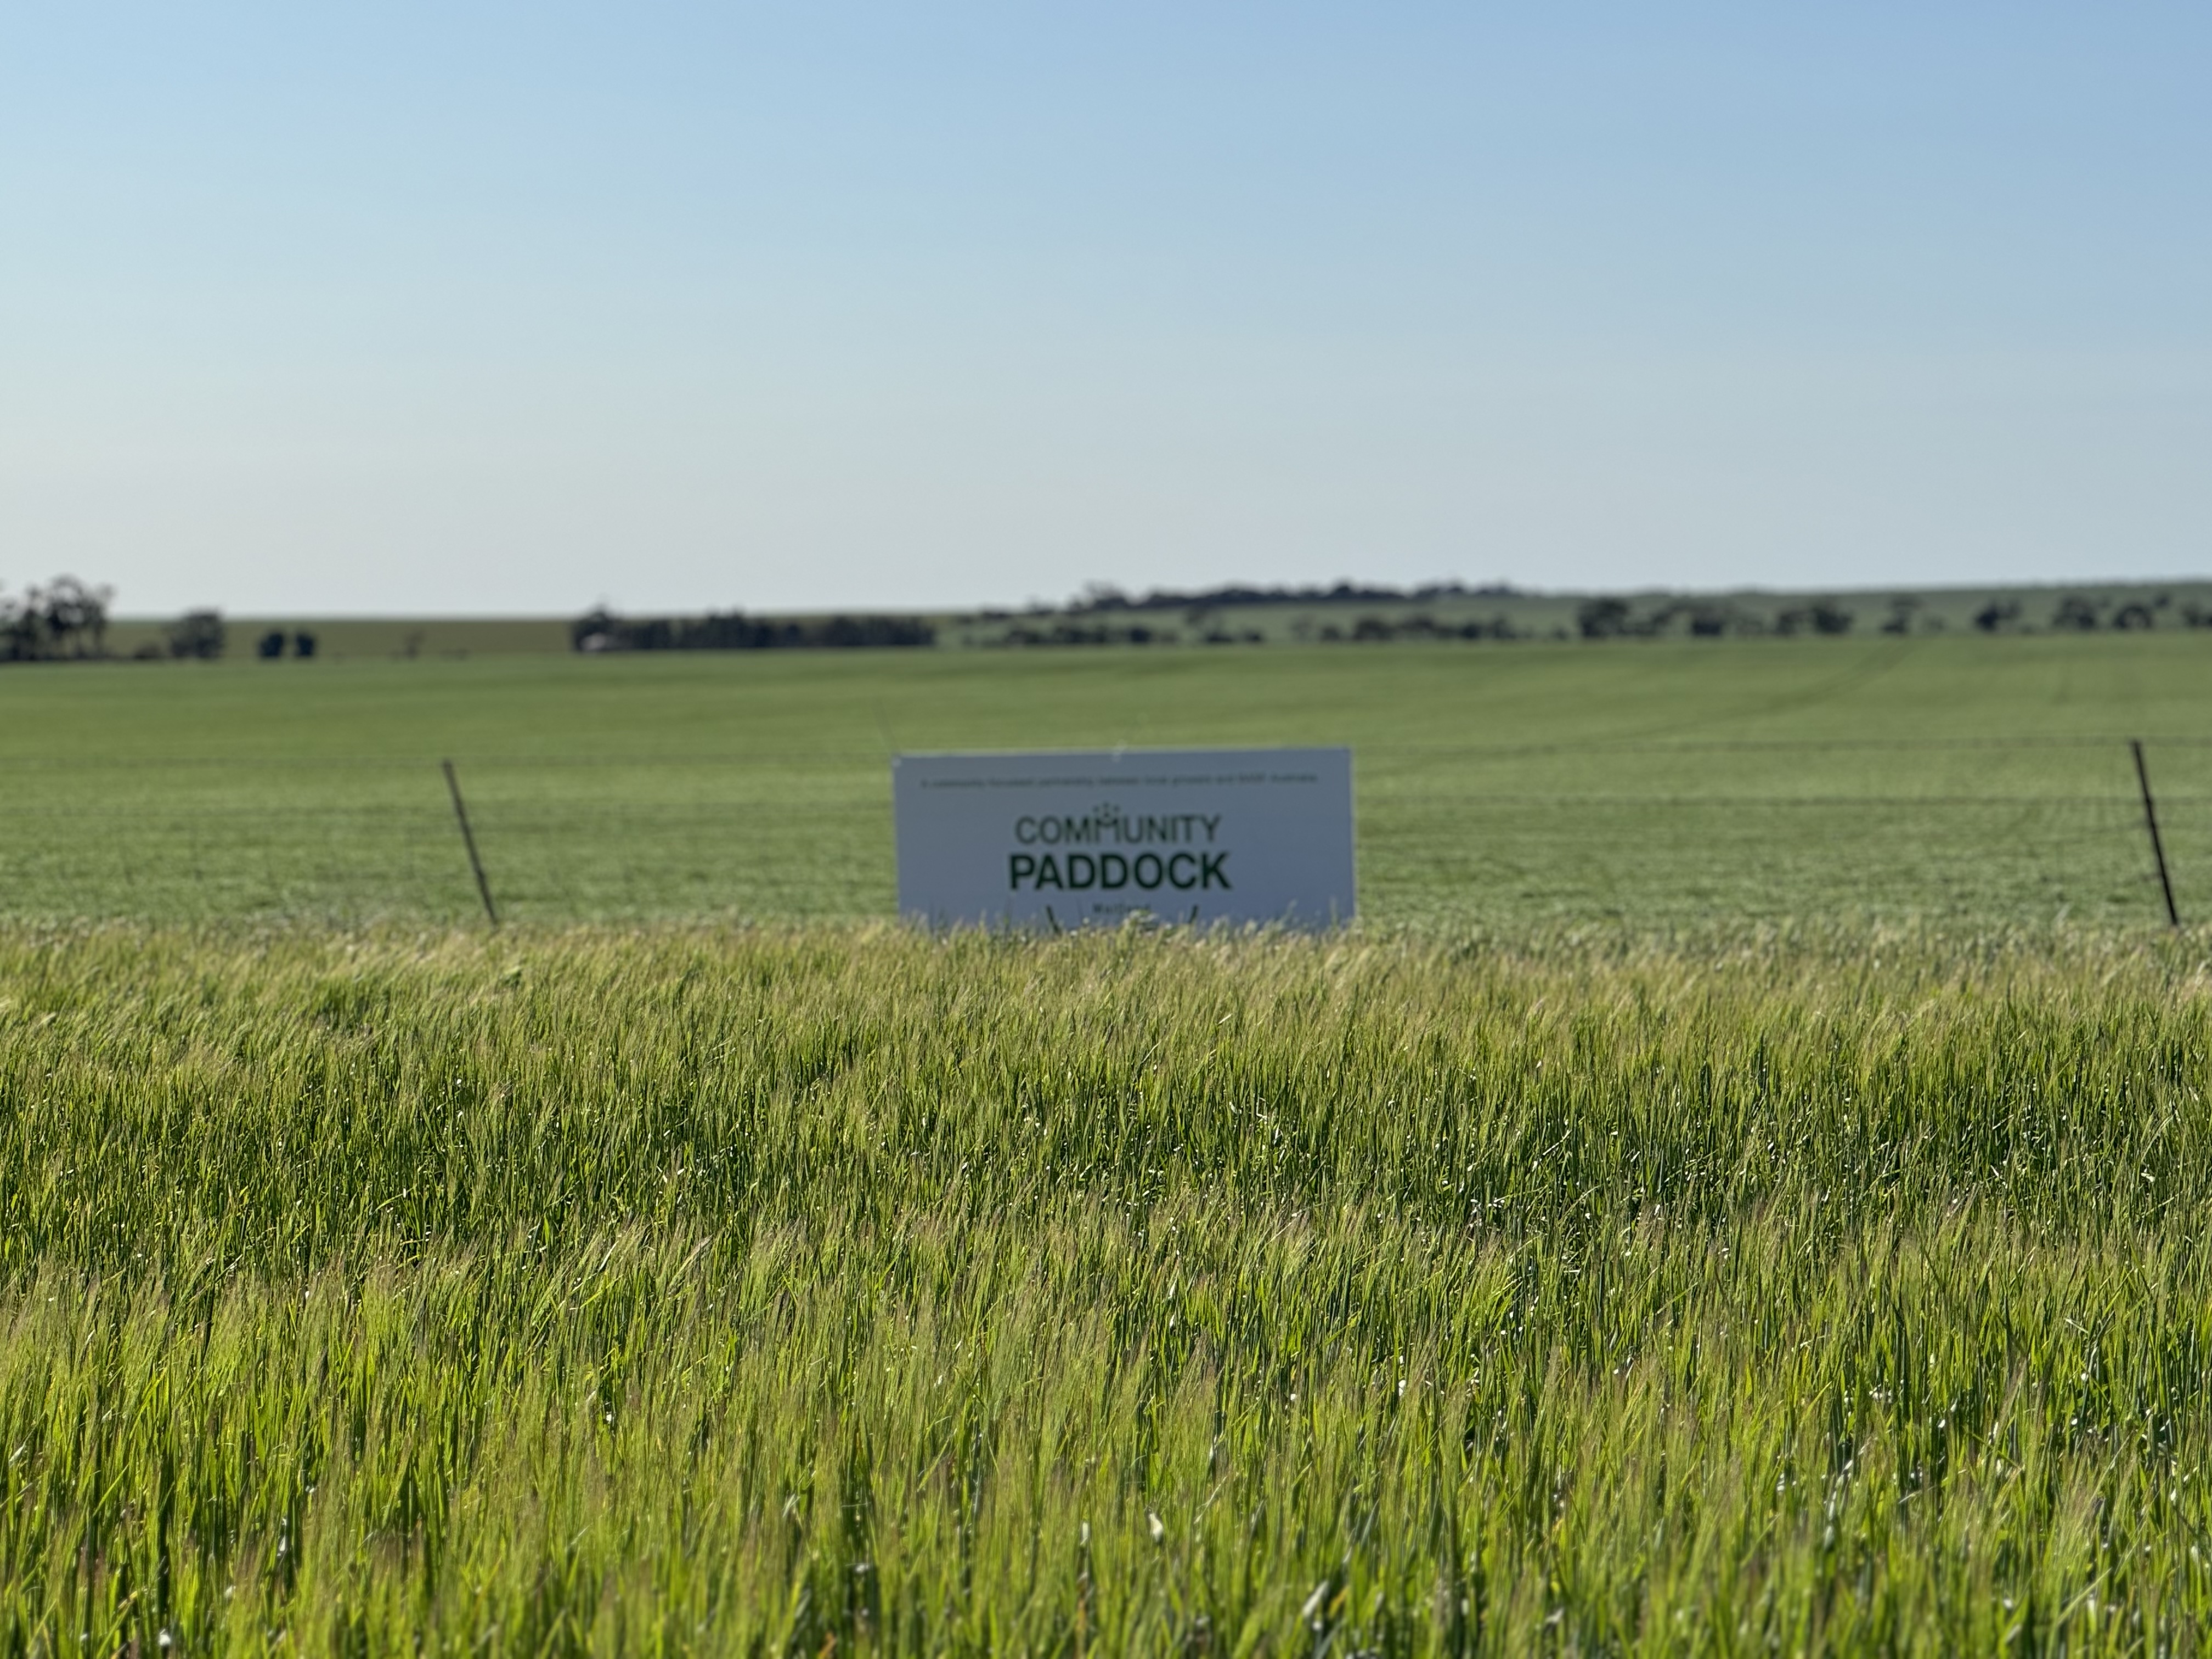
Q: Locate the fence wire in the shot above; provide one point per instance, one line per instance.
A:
(2003, 831)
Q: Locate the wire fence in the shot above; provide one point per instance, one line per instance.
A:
(2000, 831)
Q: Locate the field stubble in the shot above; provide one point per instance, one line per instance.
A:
(785, 1291)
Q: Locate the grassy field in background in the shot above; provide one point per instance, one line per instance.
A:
(1984, 780)
(843, 1291)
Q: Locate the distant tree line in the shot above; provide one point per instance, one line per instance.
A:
(1610, 618)
(1103, 596)
(1105, 617)
(270, 646)
(1204, 628)
(65, 620)
(1076, 633)
(1378, 630)
(198, 635)
(602, 630)
(1607, 617)
(2080, 613)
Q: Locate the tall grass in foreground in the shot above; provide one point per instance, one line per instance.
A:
(832, 1289)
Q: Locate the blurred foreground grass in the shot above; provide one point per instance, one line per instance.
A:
(811, 1291)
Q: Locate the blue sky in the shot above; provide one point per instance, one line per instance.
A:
(466, 307)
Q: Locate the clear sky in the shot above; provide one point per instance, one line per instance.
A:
(453, 307)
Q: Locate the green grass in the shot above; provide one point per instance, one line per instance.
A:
(1744, 1188)
(1983, 780)
(839, 1290)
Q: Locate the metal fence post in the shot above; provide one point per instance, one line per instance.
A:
(469, 839)
(2150, 823)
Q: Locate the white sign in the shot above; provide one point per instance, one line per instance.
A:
(1080, 838)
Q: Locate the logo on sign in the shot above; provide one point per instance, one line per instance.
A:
(1188, 867)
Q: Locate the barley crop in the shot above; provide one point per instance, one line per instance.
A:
(837, 1289)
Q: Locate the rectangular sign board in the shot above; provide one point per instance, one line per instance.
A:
(1093, 838)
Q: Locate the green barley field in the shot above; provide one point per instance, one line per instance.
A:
(1643, 784)
(1745, 1185)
